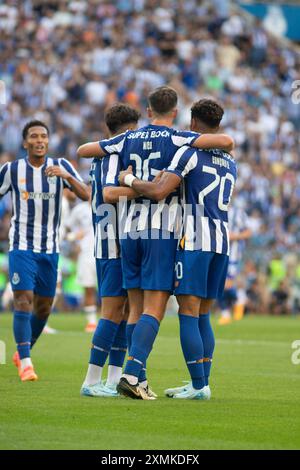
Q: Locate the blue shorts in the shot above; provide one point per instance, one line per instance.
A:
(110, 278)
(199, 273)
(148, 263)
(36, 272)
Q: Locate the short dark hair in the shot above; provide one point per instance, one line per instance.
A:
(120, 114)
(163, 99)
(208, 111)
(30, 124)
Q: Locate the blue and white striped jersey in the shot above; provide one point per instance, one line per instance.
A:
(36, 204)
(208, 180)
(238, 221)
(104, 173)
(149, 150)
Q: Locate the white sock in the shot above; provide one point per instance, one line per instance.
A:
(26, 362)
(131, 379)
(93, 375)
(144, 384)
(91, 314)
(226, 314)
(114, 375)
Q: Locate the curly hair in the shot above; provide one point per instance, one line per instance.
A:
(208, 111)
(120, 114)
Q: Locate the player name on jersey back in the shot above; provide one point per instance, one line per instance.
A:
(208, 181)
(149, 150)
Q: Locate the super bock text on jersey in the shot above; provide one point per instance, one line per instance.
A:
(36, 202)
(149, 150)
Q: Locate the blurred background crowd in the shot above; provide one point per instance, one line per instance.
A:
(66, 61)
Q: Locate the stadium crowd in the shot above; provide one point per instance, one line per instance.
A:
(66, 61)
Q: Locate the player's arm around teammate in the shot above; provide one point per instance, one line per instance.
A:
(207, 141)
(201, 271)
(109, 341)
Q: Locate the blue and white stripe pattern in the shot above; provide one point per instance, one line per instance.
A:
(105, 173)
(37, 203)
(208, 182)
(149, 150)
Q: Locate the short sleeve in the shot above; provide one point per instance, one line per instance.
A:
(181, 138)
(110, 171)
(70, 169)
(5, 179)
(184, 161)
(113, 145)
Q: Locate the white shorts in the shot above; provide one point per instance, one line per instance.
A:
(86, 270)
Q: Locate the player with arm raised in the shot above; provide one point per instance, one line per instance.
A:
(36, 183)
(202, 259)
(147, 270)
(110, 336)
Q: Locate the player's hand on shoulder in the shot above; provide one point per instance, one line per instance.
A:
(56, 171)
(122, 175)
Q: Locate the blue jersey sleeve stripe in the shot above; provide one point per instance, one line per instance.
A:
(114, 145)
(183, 162)
(70, 169)
(5, 181)
(3, 172)
(180, 139)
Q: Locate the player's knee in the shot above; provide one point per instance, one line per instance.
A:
(188, 305)
(23, 302)
(113, 309)
(205, 306)
(43, 309)
(43, 313)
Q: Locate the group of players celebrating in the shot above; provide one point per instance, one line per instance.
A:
(159, 202)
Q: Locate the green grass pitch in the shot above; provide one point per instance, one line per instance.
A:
(255, 402)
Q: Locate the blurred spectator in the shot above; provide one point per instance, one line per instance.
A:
(279, 301)
(66, 61)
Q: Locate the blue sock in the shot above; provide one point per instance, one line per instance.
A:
(142, 374)
(143, 338)
(37, 327)
(208, 339)
(22, 333)
(192, 348)
(118, 350)
(102, 342)
(129, 331)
